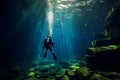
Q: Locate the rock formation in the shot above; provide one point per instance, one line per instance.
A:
(104, 54)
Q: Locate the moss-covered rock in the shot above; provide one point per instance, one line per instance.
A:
(84, 70)
(97, 76)
(32, 78)
(105, 58)
(31, 74)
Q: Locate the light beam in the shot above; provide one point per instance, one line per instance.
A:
(50, 17)
(50, 21)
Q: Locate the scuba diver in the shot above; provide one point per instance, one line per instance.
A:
(48, 44)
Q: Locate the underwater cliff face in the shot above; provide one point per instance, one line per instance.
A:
(112, 22)
(105, 53)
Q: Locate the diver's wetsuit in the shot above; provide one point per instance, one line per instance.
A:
(48, 44)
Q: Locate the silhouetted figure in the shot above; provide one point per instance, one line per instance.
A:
(48, 44)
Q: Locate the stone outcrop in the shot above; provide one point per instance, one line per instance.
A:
(112, 22)
(104, 54)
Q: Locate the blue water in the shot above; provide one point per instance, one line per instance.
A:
(71, 22)
(73, 26)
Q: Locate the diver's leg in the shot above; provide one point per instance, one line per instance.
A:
(46, 52)
(55, 58)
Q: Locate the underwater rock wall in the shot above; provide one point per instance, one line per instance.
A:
(104, 54)
(112, 21)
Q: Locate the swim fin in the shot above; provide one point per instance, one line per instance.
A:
(45, 54)
(55, 58)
